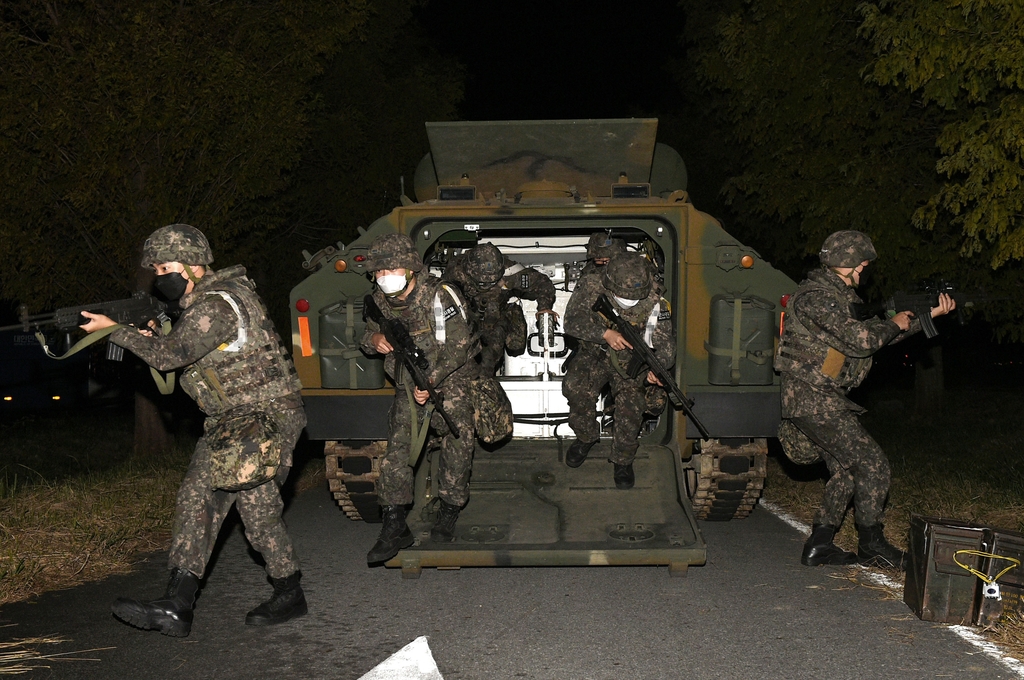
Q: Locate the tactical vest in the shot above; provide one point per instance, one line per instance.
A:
(805, 356)
(425, 322)
(252, 368)
(644, 315)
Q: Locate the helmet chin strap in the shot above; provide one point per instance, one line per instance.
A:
(190, 274)
(848, 278)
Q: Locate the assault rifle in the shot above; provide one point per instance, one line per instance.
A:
(920, 302)
(410, 355)
(643, 357)
(138, 311)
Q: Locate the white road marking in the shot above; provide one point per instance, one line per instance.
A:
(412, 662)
(966, 633)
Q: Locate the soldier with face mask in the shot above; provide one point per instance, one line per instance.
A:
(237, 370)
(602, 357)
(601, 248)
(435, 316)
(488, 279)
(824, 353)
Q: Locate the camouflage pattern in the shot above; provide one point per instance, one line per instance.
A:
(591, 368)
(484, 265)
(492, 410)
(393, 251)
(244, 452)
(858, 468)
(490, 306)
(452, 370)
(601, 244)
(628, 276)
(201, 510)
(176, 243)
(847, 249)
(797, 446)
(823, 353)
(258, 378)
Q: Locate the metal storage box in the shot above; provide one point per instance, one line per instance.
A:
(936, 587)
(1007, 544)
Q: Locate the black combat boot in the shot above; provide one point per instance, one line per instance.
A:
(171, 615)
(577, 453)
(443, 530)
(624, 476)
(287, 602)
(394, 536)
(874, 550)
(819, 548)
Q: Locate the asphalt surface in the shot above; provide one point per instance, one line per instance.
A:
(752, 612)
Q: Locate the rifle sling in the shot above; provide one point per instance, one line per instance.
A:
(164, 385)
(419, 430)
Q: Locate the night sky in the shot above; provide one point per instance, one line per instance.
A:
(548, 60)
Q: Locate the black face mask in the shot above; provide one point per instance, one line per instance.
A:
(172, 286)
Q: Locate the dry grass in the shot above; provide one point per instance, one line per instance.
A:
(21, 656)
(966, 467)
(60, 534)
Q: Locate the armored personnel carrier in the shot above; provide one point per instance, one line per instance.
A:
(538, 190)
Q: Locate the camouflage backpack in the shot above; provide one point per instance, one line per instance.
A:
(245, 451)
(492, 411)
(797, 446)
(515, 340)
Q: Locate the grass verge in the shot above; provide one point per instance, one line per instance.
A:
(962, 464)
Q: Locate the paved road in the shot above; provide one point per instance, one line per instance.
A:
(751, 612)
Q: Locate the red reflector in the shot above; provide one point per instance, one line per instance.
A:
(302, 305)
(360, 258)
(784, 300)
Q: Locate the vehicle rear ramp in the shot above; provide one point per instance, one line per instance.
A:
(527, 508)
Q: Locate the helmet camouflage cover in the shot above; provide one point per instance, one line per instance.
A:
(176, 243)
(602, 244)
(393, 251)
(485, 265)
(847, 249)
(628, 276)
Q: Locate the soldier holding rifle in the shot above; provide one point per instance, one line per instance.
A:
(240, 375)
(434, 316)
(824, 352)
(604, 354)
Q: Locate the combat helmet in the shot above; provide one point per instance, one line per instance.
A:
(602, 244)
(393, 251)
(176, 243)
(847, 249)
(485, 265)
(628, 276)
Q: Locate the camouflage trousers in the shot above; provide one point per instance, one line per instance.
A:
(395, 483)
(201, 510)
(858, 468)
(588, 373)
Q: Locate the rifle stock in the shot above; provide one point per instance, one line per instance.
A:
(411, 356)
(644, 355)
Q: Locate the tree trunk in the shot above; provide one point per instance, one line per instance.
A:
(928, 382)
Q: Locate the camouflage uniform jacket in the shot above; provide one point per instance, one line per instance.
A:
(418, 314)
(652, 316)
(824, 352)
(518, 281)
(233, 357)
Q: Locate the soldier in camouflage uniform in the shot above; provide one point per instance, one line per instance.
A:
(488, 279)
(601, 248)
(436, 318)
(236, 369)
(824, 353)
(603, 354)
